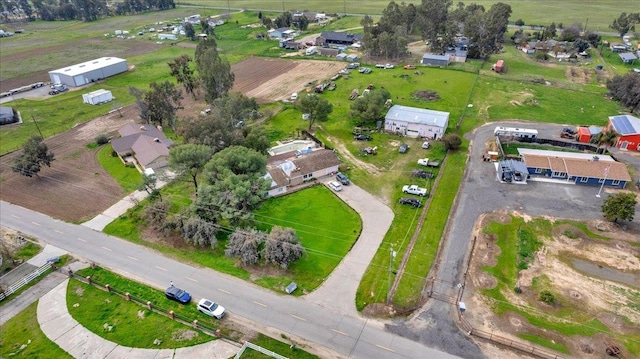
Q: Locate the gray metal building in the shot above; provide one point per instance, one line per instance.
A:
(90, 71)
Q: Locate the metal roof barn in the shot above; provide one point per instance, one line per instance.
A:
(88, 72)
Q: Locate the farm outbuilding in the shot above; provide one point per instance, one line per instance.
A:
(97, 97)
(628, 57)
(7, 115)
(437, 60)
(575, 168)
(167, 37)
(416, 122)
(628, 129)
(88, 72)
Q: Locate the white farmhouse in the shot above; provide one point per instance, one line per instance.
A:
(416, 122)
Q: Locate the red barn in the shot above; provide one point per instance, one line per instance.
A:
(628, 127)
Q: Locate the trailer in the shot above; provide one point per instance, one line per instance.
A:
(97, 97)
(515, 132)
(311, 50)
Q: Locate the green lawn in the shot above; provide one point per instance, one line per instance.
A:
(129, 178)
(22, 338)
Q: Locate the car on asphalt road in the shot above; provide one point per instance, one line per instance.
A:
(211, 308)
(343, 179)
(336, 186)
(177, 294)
(410, 201)
(403, 148)
(362, 137)
(414, 189)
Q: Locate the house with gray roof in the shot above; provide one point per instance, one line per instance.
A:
(144, 146)
(294, 168)
(436, 60)
(337, 38)
(416, 122)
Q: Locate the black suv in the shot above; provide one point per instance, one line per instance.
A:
(342, 179)
(410, 201)
(362, 137)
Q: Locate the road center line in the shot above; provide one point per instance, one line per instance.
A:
(260, 304)
(163, 269)
(385, 348)
(14, 216)
(82, 240)
(109, 249)
(57, 231)
(37, 224)
(191, 279)
(224, 291)
(339, 332)
(133, 258)
(299, 318)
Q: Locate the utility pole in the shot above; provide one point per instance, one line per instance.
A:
(229, 6)
(392, 256)
(345, 7)
(38, 127)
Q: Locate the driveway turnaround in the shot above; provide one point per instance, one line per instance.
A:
(58, 325)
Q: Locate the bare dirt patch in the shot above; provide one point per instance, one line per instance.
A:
(612, 302)
(426, 95)
(270, 80)
(75, 187)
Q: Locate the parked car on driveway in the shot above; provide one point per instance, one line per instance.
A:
(362, 137)
(410, 201)
(414, 189)
(177, 294)
(343, 179)
(336, 186)
(211, 308)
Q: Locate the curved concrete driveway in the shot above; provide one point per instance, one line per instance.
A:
(60, 327)
(345, 279)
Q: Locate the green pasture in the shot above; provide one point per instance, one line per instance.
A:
(326, 226)
(519, 240)
(23, 330)
(594, 15)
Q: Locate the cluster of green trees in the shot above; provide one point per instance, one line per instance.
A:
(626, 90)
(281, 246)
(284, 20)
(439, 24)
(84, 10)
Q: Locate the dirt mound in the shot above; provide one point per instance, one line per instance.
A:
(426, 95)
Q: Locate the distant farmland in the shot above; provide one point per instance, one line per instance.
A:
(594, 14)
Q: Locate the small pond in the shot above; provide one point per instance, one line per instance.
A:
(607, 273)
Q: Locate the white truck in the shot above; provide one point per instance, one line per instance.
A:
(311, 50)
(414, 189)
(427, 163)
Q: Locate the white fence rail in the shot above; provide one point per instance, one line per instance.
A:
(24, 281)
(260, 349)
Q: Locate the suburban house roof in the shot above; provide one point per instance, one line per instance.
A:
(625, 124)
(277, 177)
(435, 57)
(147, 142)
(628, 56)
(418, 115)
(576, 164)
(341, 36)
(84, 67)
(315, 161)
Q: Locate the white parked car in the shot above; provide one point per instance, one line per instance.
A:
(426, 145)
(211, 308)
(294, 96)
(414, 189)
(388, 66)
(335, 185)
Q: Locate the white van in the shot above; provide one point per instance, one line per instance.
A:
(336, 186)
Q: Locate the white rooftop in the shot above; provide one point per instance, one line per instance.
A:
(580, 156)
(418, 115)
(84, 67)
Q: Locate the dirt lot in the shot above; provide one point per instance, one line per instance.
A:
(613, 303)
(270, 80)
(75, 187)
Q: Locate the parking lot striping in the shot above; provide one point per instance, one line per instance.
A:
(14, 216)
(37, 224)
(134, 258)
(260, 304)
(108, 249)
(385, 348)
(191, 279)
(225, 291)
(339, 332)
(299, 318)
(57, 231)
(82, 240)
(163, 269)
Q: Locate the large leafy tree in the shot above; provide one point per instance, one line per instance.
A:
(626, 90)
(247, 244)
(35, 153)
(190, 159)
(159, 104)
(486, 30)
(370, 107)
(432, 20)
(283, 247)
(317, 107)
(605, 139)
(620, 206)
(235, 107)
(625, 23)
(214, 71)
(199, 232)
(235, 185)
(181, 70)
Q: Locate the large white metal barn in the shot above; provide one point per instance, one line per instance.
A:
(87, 72)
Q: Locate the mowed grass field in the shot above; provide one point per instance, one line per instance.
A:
(596, 15)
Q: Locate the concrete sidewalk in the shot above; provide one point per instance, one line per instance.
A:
(58, 325)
